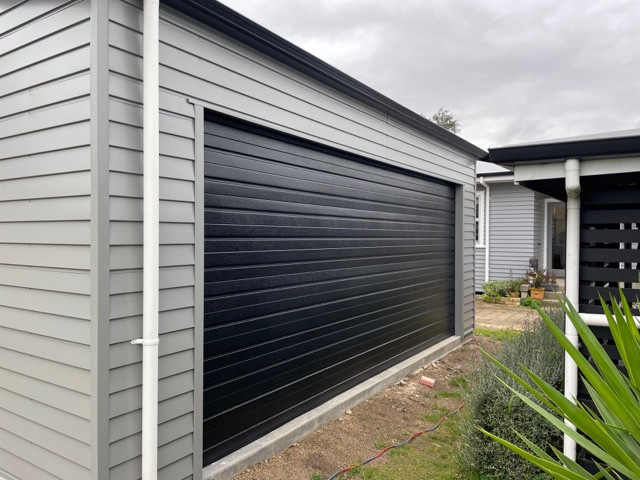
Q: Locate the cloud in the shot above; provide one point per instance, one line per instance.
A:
(510, 71)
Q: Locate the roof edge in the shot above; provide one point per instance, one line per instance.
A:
(561, 150)
(238, 27)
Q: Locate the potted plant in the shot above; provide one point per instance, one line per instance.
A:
(536, 279)
(514, 287)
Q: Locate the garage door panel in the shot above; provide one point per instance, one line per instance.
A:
(244, 361)
(327, 195)
(321, 269)
(306, 243)
(269, 407)
(245, 224)
(219, 274)
(259, 205)
(233, 180)
(318, 292)
(236, 309)
(246, 387)
(267, 327)
(265, 150)
(229, 337)
(256, 258)
(280, 276)
(294, 374)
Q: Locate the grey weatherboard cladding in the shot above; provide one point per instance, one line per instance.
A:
(71, 157)
(321, 270)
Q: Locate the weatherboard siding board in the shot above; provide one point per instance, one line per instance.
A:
(131, 447)
(123, 329)
(36, 346)
(130, 399)
(131, 233)
(21, 16)
(55, 326)
(62, 445)
(50, 70)
(69, 281)
(130, 161)
(67, 424)
(511, 231)
(36, 455)
(22, 468)
(44, 224)
(131, 423)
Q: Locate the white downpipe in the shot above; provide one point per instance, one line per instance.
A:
(572, 186)
(151, 247)
(487, 230)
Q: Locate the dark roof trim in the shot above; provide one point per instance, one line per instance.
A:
(601, 147)
(238, 27)
(494, 174)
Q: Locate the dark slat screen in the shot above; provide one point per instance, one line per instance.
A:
(609, 236)
(321, 270)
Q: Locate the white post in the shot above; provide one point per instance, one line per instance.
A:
(572, 186)
(151, 247)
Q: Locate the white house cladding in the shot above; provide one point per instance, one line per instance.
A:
(46, 176)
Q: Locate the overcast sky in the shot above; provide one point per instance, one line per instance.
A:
(510, 70)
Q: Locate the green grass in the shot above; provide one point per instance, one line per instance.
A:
(500, 335)
(449, 394)
(432, 456)
(459, 382)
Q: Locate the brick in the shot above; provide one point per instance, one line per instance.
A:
(428, 382)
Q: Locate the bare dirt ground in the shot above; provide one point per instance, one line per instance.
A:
(388, 417)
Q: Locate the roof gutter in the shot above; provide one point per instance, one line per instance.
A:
(559, 151)
(240, 28)
(151, 241)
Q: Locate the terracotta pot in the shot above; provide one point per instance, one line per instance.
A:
(536, 293)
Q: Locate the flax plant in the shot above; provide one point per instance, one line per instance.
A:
(611, 433)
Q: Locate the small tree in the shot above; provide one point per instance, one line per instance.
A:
(447, 120)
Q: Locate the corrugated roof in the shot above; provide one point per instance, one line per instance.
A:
(487, 168)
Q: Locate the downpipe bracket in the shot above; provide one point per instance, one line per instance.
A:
(146, 342)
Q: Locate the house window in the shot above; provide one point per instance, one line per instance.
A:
(480, 219)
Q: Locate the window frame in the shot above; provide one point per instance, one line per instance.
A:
(480, 218)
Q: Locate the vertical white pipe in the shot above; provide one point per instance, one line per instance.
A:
(151, 207)
(486, 228)
(572, 186)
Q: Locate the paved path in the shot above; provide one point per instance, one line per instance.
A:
(496, 316)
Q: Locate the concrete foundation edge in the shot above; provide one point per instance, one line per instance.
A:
(281, 438)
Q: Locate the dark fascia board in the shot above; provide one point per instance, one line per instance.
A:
(238, 27)
(494, 174)
(559, 151)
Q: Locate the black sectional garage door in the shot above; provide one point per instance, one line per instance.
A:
(321, 270)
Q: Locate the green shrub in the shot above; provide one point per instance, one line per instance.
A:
(501, 288)
(497, 287)
(611, 432)
(492, 407)
(529, 302)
